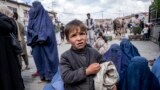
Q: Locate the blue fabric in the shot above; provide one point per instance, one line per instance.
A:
(40, 25)
(116, 55)
(128, 48)
(56, 83)
(156, 68)
(139, 76)
(41, 29)
(121, 61)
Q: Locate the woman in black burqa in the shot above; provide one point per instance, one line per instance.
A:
(10, 73)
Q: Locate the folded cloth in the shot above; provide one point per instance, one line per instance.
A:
(107, 77)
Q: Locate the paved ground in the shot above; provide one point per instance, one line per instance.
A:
(147, 49)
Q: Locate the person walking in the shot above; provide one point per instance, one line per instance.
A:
(41, 37)
(90, 29)
(21, 34)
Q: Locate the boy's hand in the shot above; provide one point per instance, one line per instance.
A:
(93, 69)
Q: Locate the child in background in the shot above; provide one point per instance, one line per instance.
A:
(101, 44)
(145, 32)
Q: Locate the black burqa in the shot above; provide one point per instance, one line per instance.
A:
(10, 73)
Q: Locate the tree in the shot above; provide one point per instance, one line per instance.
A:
(156, 4)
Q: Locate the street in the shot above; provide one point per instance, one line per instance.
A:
(147, 49)
(100, 23)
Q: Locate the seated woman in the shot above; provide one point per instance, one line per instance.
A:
(156, 68)
(101, 44)
(139, 76)
(121, 61)
(128, 48)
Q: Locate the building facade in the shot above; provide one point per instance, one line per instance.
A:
(22, 10)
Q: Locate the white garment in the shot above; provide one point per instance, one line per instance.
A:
(145, 30)
(107, 77)
(100, 45)
(91, 37)
(90, 33)
(136, 22)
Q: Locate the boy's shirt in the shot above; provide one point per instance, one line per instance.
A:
(145, 30)
(73, 64)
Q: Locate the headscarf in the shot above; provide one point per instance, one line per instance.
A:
(40, 26)
(8, 14)
(128, 48)
(41, 29)
(139, 76)
(116, 55)
(5, 10)
(156, 68)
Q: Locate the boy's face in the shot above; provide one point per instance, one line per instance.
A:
(77, 38)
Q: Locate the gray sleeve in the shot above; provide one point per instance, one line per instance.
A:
(71, 76)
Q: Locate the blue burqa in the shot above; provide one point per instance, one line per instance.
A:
(156, 68)
(128, 48)
(121, 61)
(56, 83)
(41, 37)
(139, 76)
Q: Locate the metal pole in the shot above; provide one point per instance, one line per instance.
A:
(102, 14)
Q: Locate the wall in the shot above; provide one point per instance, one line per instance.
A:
(155, 33)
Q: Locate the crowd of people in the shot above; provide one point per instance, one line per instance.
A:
(135, 25)
(88, 65)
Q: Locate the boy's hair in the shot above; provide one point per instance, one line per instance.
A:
(73, 25)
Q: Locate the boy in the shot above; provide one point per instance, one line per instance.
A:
(145, 31)
(80, 63)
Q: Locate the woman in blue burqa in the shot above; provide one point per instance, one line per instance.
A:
(41, 37)
(128, 48)
(156, 68)
(139, 76)
(120, 60)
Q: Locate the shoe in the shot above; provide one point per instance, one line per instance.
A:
(35, 74)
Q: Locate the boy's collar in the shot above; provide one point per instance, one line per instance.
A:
(79, 51)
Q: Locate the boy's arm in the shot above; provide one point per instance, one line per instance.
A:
(71, 76)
